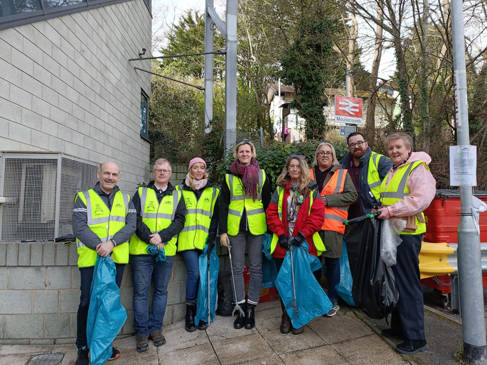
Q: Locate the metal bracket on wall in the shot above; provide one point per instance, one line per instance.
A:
(168, 78)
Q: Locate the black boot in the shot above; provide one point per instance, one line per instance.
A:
(189, 320)
(240, 320)
(250, 316)
(225, 294)
(285, 326)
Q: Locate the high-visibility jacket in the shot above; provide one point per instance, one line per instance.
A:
(397, 189)
(199, 213)
(254, 208)
(156, 217)
(335, 217)
(105, 224)
(317, 241)
(373, 178)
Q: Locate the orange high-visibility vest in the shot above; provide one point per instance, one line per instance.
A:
(335, 217)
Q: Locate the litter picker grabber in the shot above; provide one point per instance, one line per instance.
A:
(293, 303)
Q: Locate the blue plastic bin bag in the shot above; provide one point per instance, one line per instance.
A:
(269, 269)
(106, 315)
(208, 285)
(344, 287)
(154, 251)
(311, 300)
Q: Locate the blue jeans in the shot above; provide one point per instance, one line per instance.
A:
(145, 271)
(191, 259)
(86, 275)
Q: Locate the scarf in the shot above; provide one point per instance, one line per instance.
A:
(198, 184)
(249, 175)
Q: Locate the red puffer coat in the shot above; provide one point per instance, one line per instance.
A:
(306, 224)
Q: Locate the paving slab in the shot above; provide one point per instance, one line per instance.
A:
(24, 349)
(17, 359)
(239, 349)
(314, 356)
(341, 327)
(195, 355)
(368, 350)
(283, 343)
(223, 329)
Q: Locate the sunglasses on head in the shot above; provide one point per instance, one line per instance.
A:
(243, 141)
(294, 155)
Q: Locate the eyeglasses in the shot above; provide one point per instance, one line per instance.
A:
(293, 155)
(324, 153)
(356, 144)
(162, 171)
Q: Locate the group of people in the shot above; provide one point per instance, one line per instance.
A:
(308, 205)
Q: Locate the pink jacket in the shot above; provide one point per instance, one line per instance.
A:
(422, 187)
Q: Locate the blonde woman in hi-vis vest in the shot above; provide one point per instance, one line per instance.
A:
(246, 192)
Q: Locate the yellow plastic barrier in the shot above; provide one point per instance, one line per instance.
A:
(433, 259)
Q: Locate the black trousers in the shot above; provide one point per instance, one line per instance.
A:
(86, 274)
(408, 315)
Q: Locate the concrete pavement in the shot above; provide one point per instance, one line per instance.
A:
(347, 338)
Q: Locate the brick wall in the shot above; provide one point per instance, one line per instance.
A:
(39, 293)
(66, 86)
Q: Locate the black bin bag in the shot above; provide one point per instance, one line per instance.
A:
(374, 288)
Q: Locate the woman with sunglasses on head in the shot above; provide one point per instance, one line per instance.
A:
(200, 228)
(245, 194)
(295, 214)
(337, 192)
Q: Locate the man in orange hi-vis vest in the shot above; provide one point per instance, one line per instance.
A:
(337, 191)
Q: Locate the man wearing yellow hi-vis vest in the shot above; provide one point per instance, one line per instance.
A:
(103, 220)
(160, 217)
(367, 169)
(406, 192)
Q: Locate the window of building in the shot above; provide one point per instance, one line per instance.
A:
(144, 115)
(18, 12)
(39, 190)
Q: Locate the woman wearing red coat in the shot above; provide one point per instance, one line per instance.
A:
(295, 214)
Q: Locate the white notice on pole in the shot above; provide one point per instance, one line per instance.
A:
(463, 165)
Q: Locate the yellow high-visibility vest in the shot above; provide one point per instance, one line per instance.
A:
(199, 213)
(373, 178)
(105, 224)
(254, 208)
(397, 189)
(156, 217)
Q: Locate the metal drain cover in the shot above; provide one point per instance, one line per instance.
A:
(46, 359)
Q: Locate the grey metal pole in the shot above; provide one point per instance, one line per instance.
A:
(231, 75)
(347, 88)
(469, 267)
(209, 36)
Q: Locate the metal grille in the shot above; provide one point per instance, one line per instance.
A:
(75, 176)
(30, 185)
(31, 188)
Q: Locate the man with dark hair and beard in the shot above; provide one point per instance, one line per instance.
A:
(367, 169)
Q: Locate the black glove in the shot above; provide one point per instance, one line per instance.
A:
(298, 240)
(283, 242)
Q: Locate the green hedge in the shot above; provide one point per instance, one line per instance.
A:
(272, 157)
